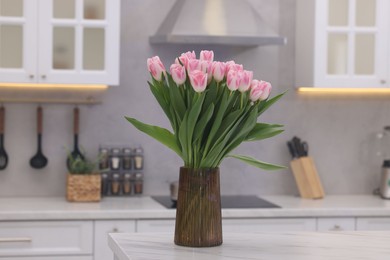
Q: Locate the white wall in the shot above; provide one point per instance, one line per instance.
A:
(337, 129)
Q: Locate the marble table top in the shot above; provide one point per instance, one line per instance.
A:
(373, 245)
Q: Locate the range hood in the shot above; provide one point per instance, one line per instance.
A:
(222, 22)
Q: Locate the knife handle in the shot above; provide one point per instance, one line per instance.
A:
(292, 150)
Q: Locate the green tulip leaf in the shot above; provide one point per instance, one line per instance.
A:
(257, 163)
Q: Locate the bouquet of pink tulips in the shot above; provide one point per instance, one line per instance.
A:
(212, 107)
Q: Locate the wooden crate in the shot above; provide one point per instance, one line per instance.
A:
(307, 179)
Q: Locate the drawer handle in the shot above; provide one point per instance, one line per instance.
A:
(336, 228)
(15, 239)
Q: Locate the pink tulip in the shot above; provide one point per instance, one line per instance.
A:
(218, 70)
(231, 65)
(233, 80)
(156, 67)
(206, 67)
(260, 90)
(198, 80)
(185, 57)
(178, 73)
(206, 56)
(246, 80)
(193, 64)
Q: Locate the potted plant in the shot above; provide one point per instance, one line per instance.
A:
(83, 182)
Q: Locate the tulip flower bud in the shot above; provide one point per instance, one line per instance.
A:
(178, 73)
(206, 56)
(198, 80)
(260, 90)
(218, 70)
(233, 80)
(156, 67)
(246, 80)
(193, 64)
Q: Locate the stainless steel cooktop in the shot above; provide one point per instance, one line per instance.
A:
(227, 202)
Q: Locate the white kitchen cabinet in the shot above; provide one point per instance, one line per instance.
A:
(268, 224)
(379, 223)
(158, 225)
(46, 238)
(342, 43)
(51, 258)
(335, 224)
(102, 228)
(59, 41)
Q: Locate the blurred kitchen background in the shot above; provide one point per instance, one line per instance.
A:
(340, 129)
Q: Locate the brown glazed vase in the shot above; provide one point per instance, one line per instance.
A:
(198, 213)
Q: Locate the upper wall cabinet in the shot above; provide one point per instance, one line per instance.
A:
(59, 41)
(342, 43)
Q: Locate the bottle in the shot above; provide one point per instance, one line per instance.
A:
(384, 188)
(127, 160)
(138, 183)
(127, 184)
(104, 159)
(115, 184)
(115, 159)
(138, 158)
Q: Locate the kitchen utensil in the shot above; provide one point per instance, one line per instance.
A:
(384, 188)
(298, 146)
(39, 160)
(305, 148)
(174, 190)
(292, 150)
(3, 153)
(76, 151)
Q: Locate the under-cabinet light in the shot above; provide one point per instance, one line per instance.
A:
(53, 86)
(361, 91)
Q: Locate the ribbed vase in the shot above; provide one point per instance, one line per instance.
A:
(198, 213)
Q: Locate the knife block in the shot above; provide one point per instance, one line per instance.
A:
(307, 179)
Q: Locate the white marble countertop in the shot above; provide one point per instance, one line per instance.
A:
(275, 246)
(146, 208)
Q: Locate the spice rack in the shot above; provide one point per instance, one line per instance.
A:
(121, 170)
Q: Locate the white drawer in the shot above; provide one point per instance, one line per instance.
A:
(268, 224)
(379, 223)
(335, 224)
(162, 225)
(44, 238)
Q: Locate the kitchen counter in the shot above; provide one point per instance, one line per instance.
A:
(286, 245)
(146, 208)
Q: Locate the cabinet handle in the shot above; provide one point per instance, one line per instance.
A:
(115, 230)
(15, 239)
(31, 76)
(336, 228)
(43, 76)
(383, 81)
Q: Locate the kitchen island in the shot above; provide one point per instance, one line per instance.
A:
(275, 246)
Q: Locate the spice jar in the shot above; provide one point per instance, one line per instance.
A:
(127, 160)
(105, 184)
(138, 183)
(138, 158)
(115, 184)
(127, 185)
(103, 159)
(115, 159)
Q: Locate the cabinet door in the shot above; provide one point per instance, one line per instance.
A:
(79, 41)
(18, 40)
(271, 224)
(351, 48)
(46, 238)
(162, 225)
(373, 224)
(102, 228)
(335, 224)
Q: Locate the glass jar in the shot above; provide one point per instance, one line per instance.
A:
(103, 159)
(115, 184)
(115, 159)
(126, 160)
(105, 184)
(127, 183)
(138, 183)
(138, 158)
